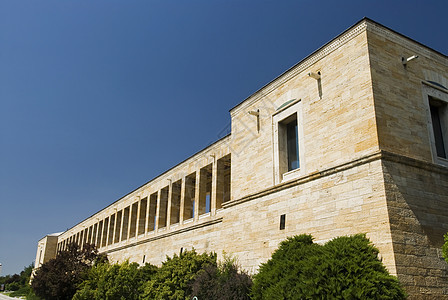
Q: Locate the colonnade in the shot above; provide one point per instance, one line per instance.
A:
(183, 201)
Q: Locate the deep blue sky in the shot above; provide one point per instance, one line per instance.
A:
(98, 97)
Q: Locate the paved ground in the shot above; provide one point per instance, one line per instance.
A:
(4, 297)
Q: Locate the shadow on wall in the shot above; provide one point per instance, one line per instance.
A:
(417, 202)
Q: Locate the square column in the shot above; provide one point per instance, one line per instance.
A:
(214, 187)
(168, 210)
(157, 211)
(182, 200)
(197, 195)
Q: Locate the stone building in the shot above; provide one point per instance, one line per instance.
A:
(352, 139)
(46, 248)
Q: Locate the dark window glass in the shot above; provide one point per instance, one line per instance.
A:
(292, 145)
(282, 222)
(438, 133)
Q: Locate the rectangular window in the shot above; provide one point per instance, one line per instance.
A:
(124, 232)
(95, 228)
(288, 142)
(436, 102)
(133, 223)
(111, 230)
(152, 212)
(205, 189)
(437, 126)
(223, 181)
(89, 238)
(81, 238)
(105, 226)
(100, 232)
(282, 222)
(163, 209)
(142, 216)
(189, 196)
(118, 226)
(176, 188)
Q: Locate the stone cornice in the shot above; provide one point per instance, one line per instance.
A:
(415, 163)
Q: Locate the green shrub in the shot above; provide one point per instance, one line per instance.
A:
(343, 268)
(32, 296)
(13, 286)
(278, 277)
(224, 281)
(21, 292)
(117, 281)
(173, 280)
(356, 272)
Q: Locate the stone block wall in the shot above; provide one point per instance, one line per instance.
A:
(400, 109)
(417, 201)
(338, 117)
(46, 249)
(338, 202)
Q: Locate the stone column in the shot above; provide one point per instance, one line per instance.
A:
(137, 223)
(106, 228)
(168, 209)
(214, 187)
(129, 222)
(148, 206)
(157, 211)
(115, 226)
(197, 194)
(182, 201)
(90, 234)
(81, 238)
(95, 242)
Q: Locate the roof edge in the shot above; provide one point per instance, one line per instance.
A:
(51, 234)
(363, 20)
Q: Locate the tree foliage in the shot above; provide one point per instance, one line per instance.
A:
(224, 281)
(116, 281)
(19, 283)
(343, 268)
(59, 277)
(174, 278)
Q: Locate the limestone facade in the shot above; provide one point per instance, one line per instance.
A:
(46, 249)
(368, 159)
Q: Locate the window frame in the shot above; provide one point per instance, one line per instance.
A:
(434, 93)
(280, 157)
